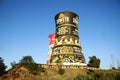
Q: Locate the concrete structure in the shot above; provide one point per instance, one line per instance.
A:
(67, 49)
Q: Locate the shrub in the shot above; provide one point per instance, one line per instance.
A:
(61, 71)
(117, 77)
(77, 77)
(94, 62)
(42, 69)
(82, 77)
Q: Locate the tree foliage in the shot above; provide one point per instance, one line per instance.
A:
(94, 62)
(13, 64)
(26, 60)
(31, 65)
(2, 66)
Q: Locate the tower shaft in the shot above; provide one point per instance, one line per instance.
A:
(67, 49)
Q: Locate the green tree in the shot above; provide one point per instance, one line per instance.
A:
(113, 68)
(13, 64)
(31, 65)
(26, 60)
(2, 66)
(94, 62)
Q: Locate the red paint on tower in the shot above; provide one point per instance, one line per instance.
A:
(51, 39)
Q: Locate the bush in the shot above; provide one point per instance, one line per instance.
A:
(94, 62)
(34, 69)
(42, 69)
(117, 77)
(61, 71)
(77, 77)
(82, 77)
(103, 75)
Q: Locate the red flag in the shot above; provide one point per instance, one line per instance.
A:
(51, 38)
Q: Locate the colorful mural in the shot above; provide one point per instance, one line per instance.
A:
(67, 49)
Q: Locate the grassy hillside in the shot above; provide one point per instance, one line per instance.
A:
(79, 74)
(69, 74)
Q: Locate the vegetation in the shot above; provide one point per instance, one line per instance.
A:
(39, 73)
(28, 62)
(71, 74)
(99, 75)
(13, 64)
(113, 68)
(2, 66)
(82, 77)
(61, 71)
(94, 62)
(104, 75)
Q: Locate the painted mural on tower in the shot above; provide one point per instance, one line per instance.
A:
(66, 47)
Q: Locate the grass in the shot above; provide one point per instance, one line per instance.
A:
(76, 74)
(52, 74)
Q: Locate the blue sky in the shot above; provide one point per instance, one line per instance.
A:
(26, 24)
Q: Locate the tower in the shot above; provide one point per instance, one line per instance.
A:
(67, 49)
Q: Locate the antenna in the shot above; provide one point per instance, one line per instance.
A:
(118, 63)
(112, 65)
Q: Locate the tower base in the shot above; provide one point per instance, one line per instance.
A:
(69, 64)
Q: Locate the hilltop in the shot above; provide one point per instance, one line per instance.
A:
(28, 69)
(21, 73)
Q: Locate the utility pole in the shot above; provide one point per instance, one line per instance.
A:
(118, 63)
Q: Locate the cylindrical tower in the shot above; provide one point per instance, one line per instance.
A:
(67, 49)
